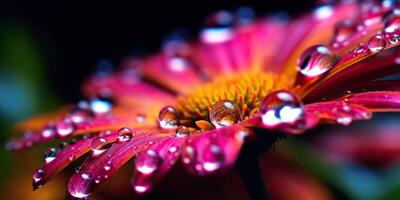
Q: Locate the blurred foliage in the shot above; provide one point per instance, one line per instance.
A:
(23, 89)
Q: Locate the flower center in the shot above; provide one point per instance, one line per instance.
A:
(244, 91)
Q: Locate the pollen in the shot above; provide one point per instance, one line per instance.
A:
(246, 90)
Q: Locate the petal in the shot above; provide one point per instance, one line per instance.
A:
(128, 91)
(66, 127)
(384, 101)
(342, 112)
(344, 76)
(96, 170)
(152, 164)
(177, 73)
(213, 151)
(64, 158)
(312, 30)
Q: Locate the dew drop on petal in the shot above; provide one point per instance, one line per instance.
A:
(219, 28)
(168, 118)
(392, 20)
(316, 60)
(376, 43)
(100, 106)
(213, 158)
(323, 12)
(125, 134)
(78, 169)
(225, 113)
(148, 161)
(79, 116)
(393, 38)
(99, 145)
(188, 154)
(108, 166)
(281, 107)
(177, 64)
(183, 131)
(65, 127)
(50, 154)
(48, 132)
(343, 30)
(141, 183)
(38, 175)
(344, 120)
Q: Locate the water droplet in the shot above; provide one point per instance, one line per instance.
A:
(392, 20)
(100, 106)
(141, 184)
(281, 107)
(140, 118)
(344, 120)
(48, 132)
(65, 127)
(343, 30)
(188, 154)
(213, 158)
(147, 162)
(323, 12)
(376, 43)
(177, 63)
(124, 134)
(219, 28)
(100, 145)
(108, 166)
(360, 50)
(78, 169)
(38, 175)
(50, 154)
(316, 60)
(168, 118)
(225, 113)
(85, 176)
(393, 38)
(79, 116)
(183, 131)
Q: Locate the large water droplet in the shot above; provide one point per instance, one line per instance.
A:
(50, 154)
(316, 60)
(148, 162)
(343, 30)
(213, 158)
(65, 127)
(281, 107)
(168, 118)
(100, 145)
(125, 134)
(376, 43)
(225, 113)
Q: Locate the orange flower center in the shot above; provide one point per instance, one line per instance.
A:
(246, 90)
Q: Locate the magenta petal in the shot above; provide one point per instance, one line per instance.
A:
(152, 164)
(96, 170)
(342, 112)
(127, 90)
(63, 159)
(213, 151)
(376, 101)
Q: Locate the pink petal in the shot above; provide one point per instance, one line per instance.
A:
(176, 73)
(127, 90)
(63, 159)
(342, 112)
(152, 164)
(384, 101)
(213, 151)
(343, 78)
(96, 170)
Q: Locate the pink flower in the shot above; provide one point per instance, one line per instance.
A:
(200, 102)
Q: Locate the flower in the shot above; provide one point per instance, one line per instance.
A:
(243, 81)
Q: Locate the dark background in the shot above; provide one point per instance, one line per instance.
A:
(72, 36)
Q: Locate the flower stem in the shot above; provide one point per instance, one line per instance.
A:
(248, 166)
